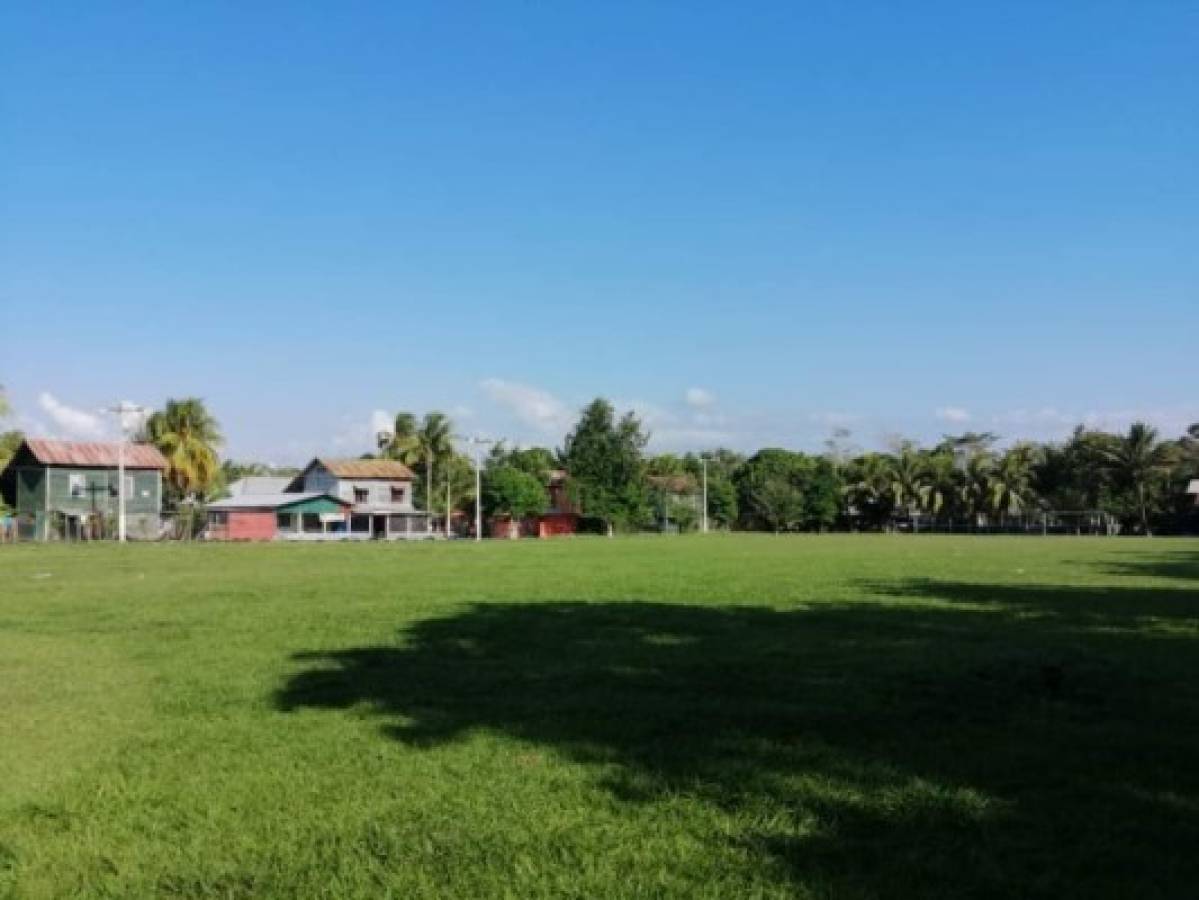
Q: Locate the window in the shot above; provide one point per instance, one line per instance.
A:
(397, 494)
(218, 517)
(312, 523)
(361, 495)
(284, 522)
(77, 482)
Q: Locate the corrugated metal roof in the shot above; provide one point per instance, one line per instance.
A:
(260, 484)
(269, 501)
(94, 454)
(366, 468)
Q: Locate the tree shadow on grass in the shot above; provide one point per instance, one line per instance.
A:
(951, 748)
(1179, 563)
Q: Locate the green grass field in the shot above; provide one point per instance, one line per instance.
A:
(746, 716)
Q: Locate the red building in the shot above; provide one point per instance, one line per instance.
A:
(268, 517)
(558, 520)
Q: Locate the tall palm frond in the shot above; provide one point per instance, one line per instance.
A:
(187, 434)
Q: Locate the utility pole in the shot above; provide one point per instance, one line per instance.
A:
(477, 442)
(124, 411)
(704, 459)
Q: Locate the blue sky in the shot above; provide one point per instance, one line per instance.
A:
(751, 222)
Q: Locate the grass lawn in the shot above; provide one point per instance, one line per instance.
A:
(745, 716)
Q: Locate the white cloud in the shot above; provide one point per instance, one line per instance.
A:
(954, 414)
(532, 406)
(698, 398)
(68, 420)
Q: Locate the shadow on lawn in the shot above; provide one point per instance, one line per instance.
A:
(875, 748)
(1182, 564)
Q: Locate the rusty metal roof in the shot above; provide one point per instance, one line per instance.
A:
(94, 454)
(366, 468)
(673, 484)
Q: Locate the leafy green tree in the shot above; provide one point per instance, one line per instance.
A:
(723, 465)
(779, 490)
(508, 491)
(457, 478)
(9, 442)
(774, 501)
(822, 489)
(665, 464)
(536, 461)
(722, 501)
(603, 456)
(188, 435)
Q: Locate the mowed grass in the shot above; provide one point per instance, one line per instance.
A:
(729, 716)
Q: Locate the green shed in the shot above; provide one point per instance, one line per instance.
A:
(67, 490)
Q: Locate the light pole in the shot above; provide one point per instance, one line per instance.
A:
(704, 460)
(477, 442)
(124, 411)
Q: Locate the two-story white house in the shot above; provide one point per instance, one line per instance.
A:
(331, 500)
(379, 492)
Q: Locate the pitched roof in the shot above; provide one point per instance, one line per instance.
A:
(259, 484)
(673, 484)
(94, 454)
(270, 501)
(366, 468)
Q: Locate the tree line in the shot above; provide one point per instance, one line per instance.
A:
(1135, 478)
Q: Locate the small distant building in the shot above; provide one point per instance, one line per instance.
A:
(676, 501)
(1193, 490)
(278, 516)
(559, 519)
(331, 499)
(69, 490)
(562, 518)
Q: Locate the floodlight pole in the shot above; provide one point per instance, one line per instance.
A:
(121, 410)
(477, 442)
(704, 459)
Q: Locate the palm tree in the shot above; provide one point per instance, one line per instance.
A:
(434, 441)
(973, 488)
(188, 436)
(1010, 482)
(909, 484)
(1135, 459)
(869, 487)
(401, 442)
